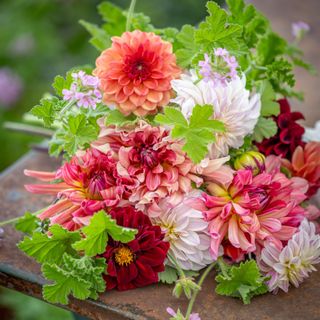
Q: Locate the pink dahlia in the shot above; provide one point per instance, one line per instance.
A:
(250, 210)
(149, 155)
(86, 184)
(305, 163)
(135, 73)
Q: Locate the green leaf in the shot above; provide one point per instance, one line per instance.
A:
(97, 232)
(46, 110)
(45, 248)
(171, 116)
(216, 32)
(28, 223)
(186, 38)
(198, 133)
(269, 105)
(115, 117)
(64, 284)
(265, 128)
(171, 275)
(243, 281)
(100, 38)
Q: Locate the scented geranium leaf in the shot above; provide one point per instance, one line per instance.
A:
(27, 223)
(269, 47)
(253, 23)
(269, 105)
(97, 234)
(265, 128)
(216, 32)
(189, 48)
(100, 38)
(115, 117)
(197, 142)
(77, 134)
(114, 17)
(169, 275)
(200, 119)
(46, 110)
(45, 248)
(243, 281)
(171, 116)
(89, 269)
(64, 284)
(197, 134)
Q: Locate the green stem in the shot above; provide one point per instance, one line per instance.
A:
(26, 128)
(176, 264)
(130, 14)
(67, 106)
(196, 291)
(223, 267)
(13, 220)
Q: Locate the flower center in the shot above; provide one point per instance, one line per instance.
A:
(136, 68)
(123, 256)
(149, 158)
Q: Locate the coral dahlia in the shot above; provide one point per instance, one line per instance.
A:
(138, 262)
(253, 209)
(305, 163)
(85, 185)
(135, 73)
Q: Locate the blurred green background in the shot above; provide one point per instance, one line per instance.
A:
(42, 38)
(38, 40)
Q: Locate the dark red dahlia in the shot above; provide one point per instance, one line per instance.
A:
(289, 135)
(137, 263)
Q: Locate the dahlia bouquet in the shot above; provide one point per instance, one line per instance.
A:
(181, 155)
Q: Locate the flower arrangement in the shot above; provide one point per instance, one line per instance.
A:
(181, 155)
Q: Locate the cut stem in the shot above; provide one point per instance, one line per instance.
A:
(26, 128)
(13, 220)
(130, 14)
(196, 291)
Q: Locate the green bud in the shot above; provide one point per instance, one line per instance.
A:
(187, 285)
(252, 160)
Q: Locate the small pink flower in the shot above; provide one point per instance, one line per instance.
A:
(84, 91)
(299, 29)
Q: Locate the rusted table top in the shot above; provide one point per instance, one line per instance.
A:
(19, 272)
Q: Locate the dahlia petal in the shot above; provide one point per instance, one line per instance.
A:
(152, 181)
(41, 175)
(154, 96)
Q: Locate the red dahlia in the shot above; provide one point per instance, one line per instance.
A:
(137, 263)
(289, 135)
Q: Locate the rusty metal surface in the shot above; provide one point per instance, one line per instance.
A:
(21, 273)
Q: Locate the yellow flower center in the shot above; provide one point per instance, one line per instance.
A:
(123, 256)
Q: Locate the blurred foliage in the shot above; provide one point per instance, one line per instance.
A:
(42, 38)
(17, 306)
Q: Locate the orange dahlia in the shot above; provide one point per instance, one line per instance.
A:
(135, 73)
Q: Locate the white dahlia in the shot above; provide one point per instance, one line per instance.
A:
(295, 261)
(185, 230)
(232, 104)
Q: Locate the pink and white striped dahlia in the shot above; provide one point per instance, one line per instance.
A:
(149, 155)
(294, 262)
(88, 183)
(250, 210)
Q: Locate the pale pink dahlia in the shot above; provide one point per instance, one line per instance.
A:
(86, 184)
(149, 155)
(294, 262)
(250, 210)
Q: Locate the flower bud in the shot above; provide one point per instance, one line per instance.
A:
(252, 160)
(187, 285)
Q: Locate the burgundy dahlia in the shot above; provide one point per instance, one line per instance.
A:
(289, 135)
(137, 263)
